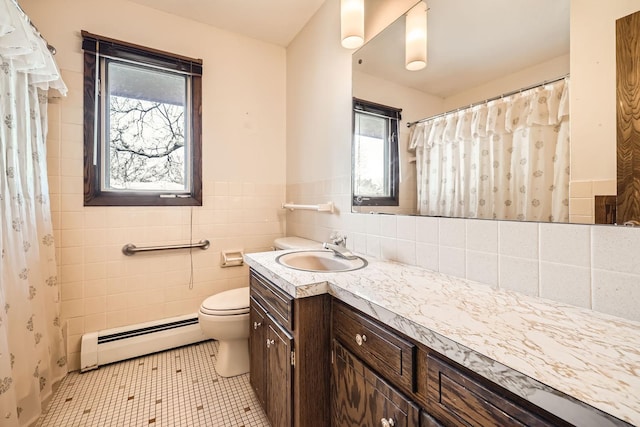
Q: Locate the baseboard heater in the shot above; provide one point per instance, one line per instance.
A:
(113, 345)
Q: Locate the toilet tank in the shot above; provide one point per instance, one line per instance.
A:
(295, 242)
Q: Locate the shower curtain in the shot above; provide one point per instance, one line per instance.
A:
(503, 159)
(32, 356)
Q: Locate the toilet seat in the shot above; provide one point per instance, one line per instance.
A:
(227, 303)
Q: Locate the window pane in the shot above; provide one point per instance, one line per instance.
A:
(146, 136)
(371, 156)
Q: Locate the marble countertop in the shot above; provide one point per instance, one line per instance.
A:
(531, 346)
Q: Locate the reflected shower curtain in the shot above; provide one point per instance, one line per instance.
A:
(32, 353)
(504, 159)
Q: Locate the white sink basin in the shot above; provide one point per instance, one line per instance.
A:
(319, 261)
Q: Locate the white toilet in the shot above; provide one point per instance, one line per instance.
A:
(225, 317)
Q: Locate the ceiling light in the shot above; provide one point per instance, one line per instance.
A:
(352, 23)
(416, 37)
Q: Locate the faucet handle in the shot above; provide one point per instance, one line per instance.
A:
(338, 239)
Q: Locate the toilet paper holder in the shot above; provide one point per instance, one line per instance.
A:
(231, 258)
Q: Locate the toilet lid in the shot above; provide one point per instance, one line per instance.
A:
(227, 303)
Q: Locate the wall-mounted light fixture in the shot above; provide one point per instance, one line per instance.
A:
(352, 23)
(416, 37)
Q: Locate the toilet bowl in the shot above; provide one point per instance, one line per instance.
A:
(225, 318)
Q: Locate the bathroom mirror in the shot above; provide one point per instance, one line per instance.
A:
(476, 51)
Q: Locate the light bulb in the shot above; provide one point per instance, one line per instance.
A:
(352, 23)
(416, 37)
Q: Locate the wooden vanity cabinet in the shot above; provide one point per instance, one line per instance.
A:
(290, 357)
(389, 377)
(317, 361)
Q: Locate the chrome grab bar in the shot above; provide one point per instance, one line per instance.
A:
(131, 249)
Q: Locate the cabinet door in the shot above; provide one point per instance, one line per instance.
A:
(257, 350)
(279, 374)
(360, 398)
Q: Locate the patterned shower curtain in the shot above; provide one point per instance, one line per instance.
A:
(504, 159)
(32, 355)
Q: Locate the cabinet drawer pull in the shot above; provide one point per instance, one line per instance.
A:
(256, 325)
(361, 339)
(270, 343)
(387, 423)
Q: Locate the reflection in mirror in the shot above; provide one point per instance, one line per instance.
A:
(477, 51)
(507, 158)
(375, 154)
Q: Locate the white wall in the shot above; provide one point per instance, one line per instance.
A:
(548, 70)
(593, 86)
(593, 102)
(244, 156)
(590, 266)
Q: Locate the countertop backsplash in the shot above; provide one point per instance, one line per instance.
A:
(590, 266)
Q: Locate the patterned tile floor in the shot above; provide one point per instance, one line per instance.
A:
(177, 387)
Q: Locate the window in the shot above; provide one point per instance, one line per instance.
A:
(142, 125)
(375, 154)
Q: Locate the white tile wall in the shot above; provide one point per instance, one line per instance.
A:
(567, 244)
(582, 199)
(565, 283)
(590, 266)
(427, 230)
(482, 267)
(616, 293)
(518, 239)
(451, 234)
(452, 261)
(407, 251)
(406, 227)
(100, 287)
(482, 236)
(519, 274)
(427, 256)
(616, 249)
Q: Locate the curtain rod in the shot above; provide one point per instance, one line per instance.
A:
(504, 95)
(51, 48)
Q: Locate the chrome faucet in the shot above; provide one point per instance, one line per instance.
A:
(338, 239)
(340, 251)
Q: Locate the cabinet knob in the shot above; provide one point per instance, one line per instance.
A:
(270, 343)
(256, 325)
(361, 339)
(387, 422)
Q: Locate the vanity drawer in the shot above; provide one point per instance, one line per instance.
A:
(277, 302)
(457, 399)
(380, 348)
(377, 403)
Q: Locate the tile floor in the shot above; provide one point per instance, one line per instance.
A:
(177, 387)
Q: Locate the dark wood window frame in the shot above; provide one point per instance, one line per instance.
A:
(94, 47)
(394, 116)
